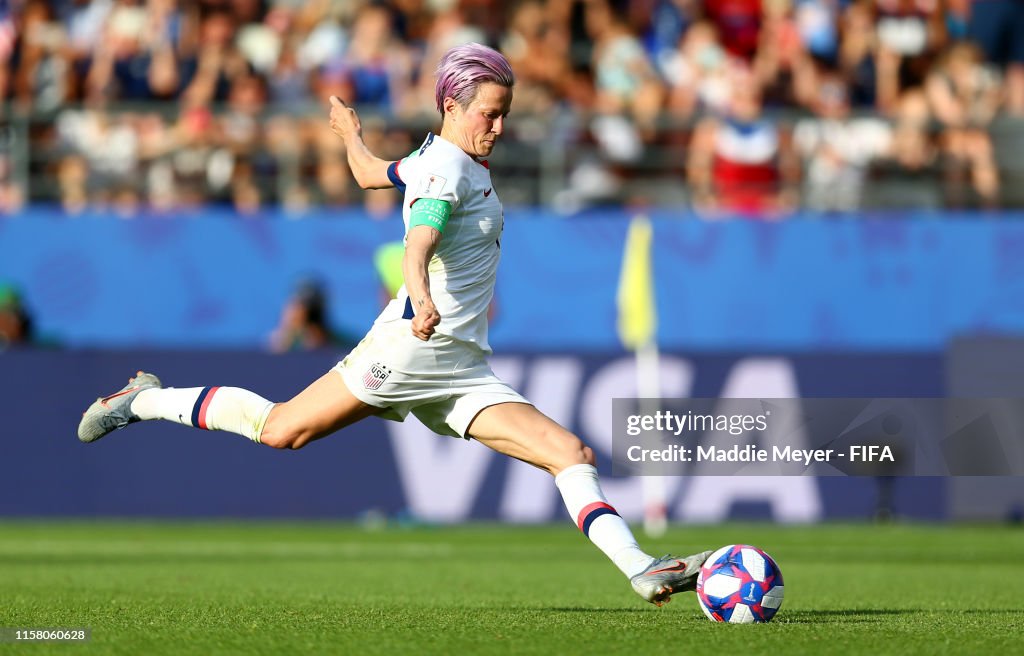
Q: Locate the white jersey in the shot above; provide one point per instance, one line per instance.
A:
(465, 265)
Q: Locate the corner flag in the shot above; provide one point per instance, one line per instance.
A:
(638, 329)
(638, 317)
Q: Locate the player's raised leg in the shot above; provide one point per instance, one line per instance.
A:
(319, 410)
(324, 407)
(521, 431)
(108, 413)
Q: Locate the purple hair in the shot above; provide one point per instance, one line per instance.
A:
(464, 68)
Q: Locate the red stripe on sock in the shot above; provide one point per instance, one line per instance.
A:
(582, 517)
(205, 406)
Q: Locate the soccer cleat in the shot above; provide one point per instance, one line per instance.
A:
(668, 575)
(115, 411)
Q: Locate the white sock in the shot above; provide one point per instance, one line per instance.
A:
(581, 492)
(211, 408)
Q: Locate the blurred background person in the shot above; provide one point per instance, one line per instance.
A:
(964, 96)
(836, 149)
(699, 73)
(741, 162)
(181, 94)
(997, 26)
(305, 323)
(43, 76)
(16, 329)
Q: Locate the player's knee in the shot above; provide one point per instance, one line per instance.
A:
(280, 432)
(571, 451)
(282, 439)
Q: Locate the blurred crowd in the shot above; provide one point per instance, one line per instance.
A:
(749, 106)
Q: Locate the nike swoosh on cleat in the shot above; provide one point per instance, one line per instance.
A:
(104, 400)
(678, 567)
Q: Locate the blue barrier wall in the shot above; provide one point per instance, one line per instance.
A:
(215, 280)
(159, 469)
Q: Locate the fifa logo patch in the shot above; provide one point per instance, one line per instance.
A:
(375, 376)
(432, 186)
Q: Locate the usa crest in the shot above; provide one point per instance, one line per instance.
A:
(375, 376)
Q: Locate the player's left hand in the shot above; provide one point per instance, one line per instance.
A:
(344, 120)
(425, 321)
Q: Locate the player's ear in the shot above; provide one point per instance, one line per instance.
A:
(450, 105)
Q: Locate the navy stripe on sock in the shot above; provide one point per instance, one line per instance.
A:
(199, 404)
(594, 514)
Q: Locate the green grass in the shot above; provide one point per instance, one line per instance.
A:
(269, 588)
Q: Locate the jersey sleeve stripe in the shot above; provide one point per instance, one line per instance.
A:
(394, 177)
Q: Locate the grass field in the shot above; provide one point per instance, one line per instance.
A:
(268, 588)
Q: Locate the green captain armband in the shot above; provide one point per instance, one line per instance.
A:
(430, 212)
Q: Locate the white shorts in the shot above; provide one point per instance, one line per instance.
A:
(444, 382)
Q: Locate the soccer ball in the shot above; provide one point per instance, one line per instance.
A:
(739, 584)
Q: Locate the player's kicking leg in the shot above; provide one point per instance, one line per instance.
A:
(521, 431)
(319, 410)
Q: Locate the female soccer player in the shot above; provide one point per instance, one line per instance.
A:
(426, 352)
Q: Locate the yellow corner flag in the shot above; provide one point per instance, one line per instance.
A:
(388, 262)
(638, 317)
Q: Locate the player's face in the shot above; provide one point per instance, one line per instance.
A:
(482, 122)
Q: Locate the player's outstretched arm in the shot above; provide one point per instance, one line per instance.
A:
(420, 244)
(370, 171)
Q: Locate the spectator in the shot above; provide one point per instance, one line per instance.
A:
(908, 176)
(246, 198)
(12, 194)
(738, 22)
(538, 56)
(44, 74)
(998, 27)
(909, 34)
(72, 179)
(699, 73)
(913, 147)
(375, 69)
(305, 324)
(86, 21)
(741, 163)
(15, 321)
(288, 81)
(104, 154)
(816, 23)
(629, 77)
(964, 96)
(8, 40)
(121, 62)
(240, 125)
(625, 80)
(857, 45)
(790, 37)
(836, 149)
(667, 22)
(448, 29)
(217, 61)
(194, 142)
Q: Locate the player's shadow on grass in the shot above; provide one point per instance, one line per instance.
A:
(844, 615)
(582, 609)
(175, 559)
